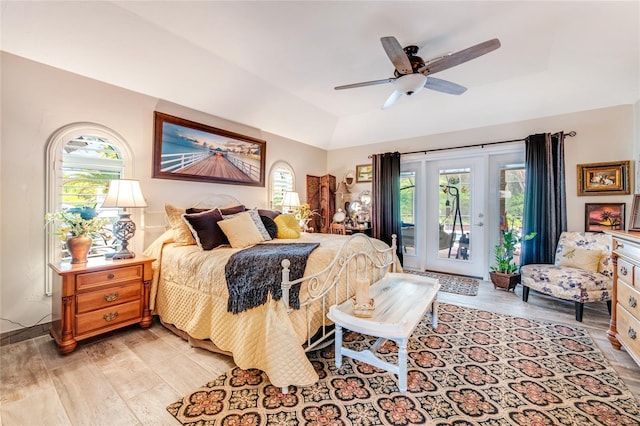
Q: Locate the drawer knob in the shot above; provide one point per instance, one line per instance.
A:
(619, 245)
(111, 316)
(111, 297)
(623, 270)
(633, 302)
(111, 276)
(632, 333)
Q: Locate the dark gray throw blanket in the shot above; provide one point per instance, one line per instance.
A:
(255, 272)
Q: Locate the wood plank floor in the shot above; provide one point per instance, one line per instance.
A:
(129, 377)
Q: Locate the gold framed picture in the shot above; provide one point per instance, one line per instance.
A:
(604, 178)
(364, 173)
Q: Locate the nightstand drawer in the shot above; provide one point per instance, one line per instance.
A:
(108, 297)
(628, 330)
(111, 276)
(107, 317)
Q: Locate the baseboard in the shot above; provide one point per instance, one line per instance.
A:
(15, 336)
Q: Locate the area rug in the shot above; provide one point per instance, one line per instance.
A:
(476, 368)
(452, 283)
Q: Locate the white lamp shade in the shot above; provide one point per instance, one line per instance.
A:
(291, 199)
(124, 193)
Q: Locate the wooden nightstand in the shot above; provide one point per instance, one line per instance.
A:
(97, 297)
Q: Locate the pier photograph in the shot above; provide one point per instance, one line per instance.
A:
(188, 150)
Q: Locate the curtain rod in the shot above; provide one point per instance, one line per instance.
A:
(572, 133)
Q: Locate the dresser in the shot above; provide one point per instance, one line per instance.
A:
(624, 328)
(97, 297)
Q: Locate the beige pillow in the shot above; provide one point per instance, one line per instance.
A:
(241, 231)
(580, 258)
(181, 233)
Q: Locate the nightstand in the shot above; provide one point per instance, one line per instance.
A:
(99, 296)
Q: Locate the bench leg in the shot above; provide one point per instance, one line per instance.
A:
(338, 344)
(434, 313)
(402, 365)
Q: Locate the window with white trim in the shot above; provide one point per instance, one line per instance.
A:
(281, 180)
(82, 159)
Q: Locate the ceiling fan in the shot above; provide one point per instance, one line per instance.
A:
(412, 73)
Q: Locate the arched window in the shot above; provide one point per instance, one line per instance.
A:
(281, 179)
(81, 160)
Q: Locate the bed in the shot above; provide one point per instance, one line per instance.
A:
(190, 295)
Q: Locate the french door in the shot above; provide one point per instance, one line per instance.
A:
(452, 207)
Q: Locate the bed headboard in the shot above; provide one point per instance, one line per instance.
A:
(155, 222)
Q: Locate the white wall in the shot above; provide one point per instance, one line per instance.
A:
(602, 135)
(36, 101)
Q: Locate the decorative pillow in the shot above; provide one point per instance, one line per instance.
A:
(204, 227)
(287, 226)
(256, 219)
(181, 233)
(270, 226)
(232, 210)
(192, 210)
(580, 258)
(272, 214)
(241, 231)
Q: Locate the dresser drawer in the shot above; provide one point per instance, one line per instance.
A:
(107, 317)
(629, 298)
(108, 297)
(625, 271)
(111, 276)
(627, 248)
(628, 331)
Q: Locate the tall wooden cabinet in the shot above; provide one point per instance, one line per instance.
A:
(97, 297)
(624, 328)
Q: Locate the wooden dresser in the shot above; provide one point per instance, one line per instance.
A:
(624, 329)
(97, 297)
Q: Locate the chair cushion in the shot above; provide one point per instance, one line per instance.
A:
(576, 257)
(565, 282)
(589, 241)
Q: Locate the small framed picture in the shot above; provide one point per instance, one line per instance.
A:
(604, 217)
(635, 214)
(604, 178)
(364, 173)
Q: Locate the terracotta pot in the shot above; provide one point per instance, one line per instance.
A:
(505, 281)
(79, 247)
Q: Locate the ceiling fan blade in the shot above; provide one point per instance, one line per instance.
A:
(396, 54)
(365, 83)
(392, 99)
(444, 86)
(460, 57)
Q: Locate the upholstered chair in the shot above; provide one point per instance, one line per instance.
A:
(582, 271)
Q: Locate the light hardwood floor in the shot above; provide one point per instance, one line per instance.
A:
(129, 377)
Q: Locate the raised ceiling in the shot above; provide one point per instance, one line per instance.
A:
(273, 65)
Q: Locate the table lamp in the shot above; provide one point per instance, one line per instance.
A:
(124, 193)
(290, 201)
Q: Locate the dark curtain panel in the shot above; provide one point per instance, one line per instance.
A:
(545, 209)
(386, 199)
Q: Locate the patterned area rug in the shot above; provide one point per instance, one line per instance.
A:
(452, 283)
(476, 368)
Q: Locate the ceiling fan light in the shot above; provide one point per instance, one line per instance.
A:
(410, 83)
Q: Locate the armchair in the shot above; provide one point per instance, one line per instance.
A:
(582, 271)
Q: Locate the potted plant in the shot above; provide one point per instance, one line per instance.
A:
(78, 226)
(504, 273)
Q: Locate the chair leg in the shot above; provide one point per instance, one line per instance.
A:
(579, 310)
(609, 306)
(525, 293)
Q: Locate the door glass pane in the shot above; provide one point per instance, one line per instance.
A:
(512, 201)
(407, 210)
(454, 214)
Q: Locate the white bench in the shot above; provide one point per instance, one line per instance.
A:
(401, 301)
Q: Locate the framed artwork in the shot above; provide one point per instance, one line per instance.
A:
(635, 214)
(364, 173)
(604, 217)
(187, 150)
(604, 178)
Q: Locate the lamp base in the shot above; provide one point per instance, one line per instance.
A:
(123, 230)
